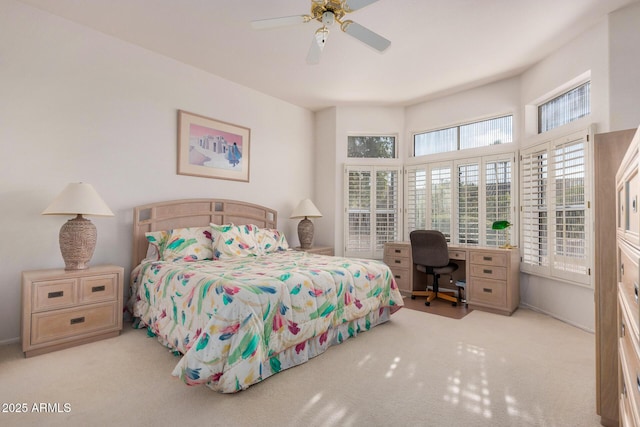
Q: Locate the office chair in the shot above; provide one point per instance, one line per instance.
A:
(430, 255)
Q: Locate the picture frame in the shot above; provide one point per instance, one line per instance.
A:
(212, 148)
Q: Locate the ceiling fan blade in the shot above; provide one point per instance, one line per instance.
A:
(365, 35)
(352, 5)
(285, 21)
(317, 44)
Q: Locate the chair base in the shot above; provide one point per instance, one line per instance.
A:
(447, 295)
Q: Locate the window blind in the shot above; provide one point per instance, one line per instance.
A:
(468, 204)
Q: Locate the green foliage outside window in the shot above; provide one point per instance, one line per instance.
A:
(372, 147)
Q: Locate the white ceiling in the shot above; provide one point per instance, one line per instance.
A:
(437, 46)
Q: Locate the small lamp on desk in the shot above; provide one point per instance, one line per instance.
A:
(503, 225)
(305, 209)
(78, 236)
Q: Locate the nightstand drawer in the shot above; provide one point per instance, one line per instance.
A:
(486, 291)
(455, 254)
(52, 294)
(488, 258)
(98, 288)
(488, 272)
(59, 324)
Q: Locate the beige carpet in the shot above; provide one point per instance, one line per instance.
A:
(417, 370)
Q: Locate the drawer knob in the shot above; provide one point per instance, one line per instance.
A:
(638, 381)
(487, 258)
(98, 288)
(622, 330)
(397, 261)
(397, 251)
(57, 294)
(487, 290)
(397, 276)
(487, 271)
(635, 291)
(622, 268)
(77, 320)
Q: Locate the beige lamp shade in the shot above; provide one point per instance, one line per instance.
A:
(78, 198)
(78, 236)
(305, 209)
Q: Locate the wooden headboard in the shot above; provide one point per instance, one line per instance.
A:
(194, 213)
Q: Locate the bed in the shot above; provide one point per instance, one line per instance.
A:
(215, 282)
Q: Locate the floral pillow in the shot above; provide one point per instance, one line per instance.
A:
(182, 244)
(232, 241)
(271, 240)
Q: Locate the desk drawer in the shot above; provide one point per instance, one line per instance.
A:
(486, 291)
(54, 325)
(397, 251)
(398, 263)
(403, 278)
(488, 272)
(488, 258)
(457, 254)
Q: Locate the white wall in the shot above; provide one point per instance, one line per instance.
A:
(334, 125)
(77, 105)
(499, 98)
(588, 53)
(624, 36)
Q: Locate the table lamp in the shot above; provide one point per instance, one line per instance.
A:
(305, 209)
(503, 225)
(78, 236)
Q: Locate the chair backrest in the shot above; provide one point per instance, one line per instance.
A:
(429, 248)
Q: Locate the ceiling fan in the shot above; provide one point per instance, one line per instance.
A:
(327, 12)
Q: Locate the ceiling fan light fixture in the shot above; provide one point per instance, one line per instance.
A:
(328, 18)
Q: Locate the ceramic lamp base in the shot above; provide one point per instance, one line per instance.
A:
(305, 233)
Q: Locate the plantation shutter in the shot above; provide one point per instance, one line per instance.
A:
(372, 208)
(497, 198)
(440, 197)
(416, 199)
(387, 219)
(468, 203)
(569, 240)
(535, 214)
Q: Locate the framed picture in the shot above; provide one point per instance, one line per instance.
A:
(211, 148)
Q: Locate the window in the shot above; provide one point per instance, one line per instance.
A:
(556, 213)
(372, 209)
(565, 108)
(461, 199)
(373, 147)
(471, 135)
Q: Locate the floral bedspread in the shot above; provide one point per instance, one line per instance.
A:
(236, 322)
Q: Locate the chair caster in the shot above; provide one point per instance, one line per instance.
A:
(413, 297)
(427, 303)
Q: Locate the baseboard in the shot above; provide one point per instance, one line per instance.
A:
(567, 321)
(10, 341)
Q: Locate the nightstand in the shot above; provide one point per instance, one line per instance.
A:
(64, 308)
(319, 250)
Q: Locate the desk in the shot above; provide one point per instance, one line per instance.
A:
(492, 274)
